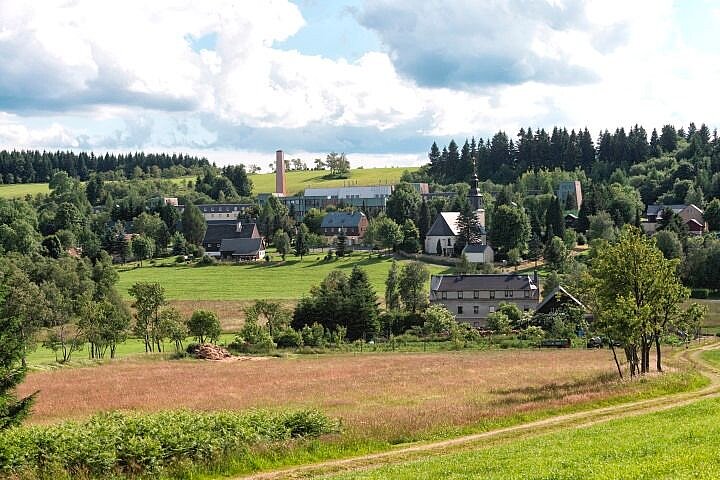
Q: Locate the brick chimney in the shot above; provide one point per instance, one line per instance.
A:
(280, 187)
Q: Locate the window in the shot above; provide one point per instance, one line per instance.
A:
(460, 294)
(460, 310)
(527, 293)
(476, 294)
(508, 293)
(476, 309)
(492, 309)
(443, 295)
(492, 293)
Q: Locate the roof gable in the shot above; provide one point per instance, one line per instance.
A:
(342, 219)
(445, 225)
(241, 246)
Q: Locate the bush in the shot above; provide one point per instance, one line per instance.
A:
(180, 259)
(133, 444)
(700, 293)
(288, 338)
(206, 261)
(498, 322)
(581, 239)
(204, 325)
(313, 336)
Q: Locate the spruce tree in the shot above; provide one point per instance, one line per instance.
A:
(468, 227)
(301, 247)
(554, 220)
(363, 323)
(341, 244)
(423, 220)
(193, 224)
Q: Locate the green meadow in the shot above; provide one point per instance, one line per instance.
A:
(249, 281)
(21, 189)
(681, 443)
(300, 180)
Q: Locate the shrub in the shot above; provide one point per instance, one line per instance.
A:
(581, 239)
(288, 338)
(313, 336)
(498, 322)
(206, 261)
(253, 338)
(180, 259)
(700, 293)
(204, 325)
(135, 444)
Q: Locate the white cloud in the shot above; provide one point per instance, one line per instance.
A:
(595, 63)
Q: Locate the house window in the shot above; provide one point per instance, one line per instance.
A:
(476, 309)
(527, 293)
(460, 310)
(443, 295)
(492, 293)
(476, 294)
(508, 293)
(491, 309)
(460, 294)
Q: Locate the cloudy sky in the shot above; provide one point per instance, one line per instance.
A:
(379, 79)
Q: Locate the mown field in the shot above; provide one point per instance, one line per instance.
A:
(300, 180)
(275, 281)
(682, 443)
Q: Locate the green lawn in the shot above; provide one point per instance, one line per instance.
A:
(276, 281)
(681, 443)
(300, 180)
(22, 189)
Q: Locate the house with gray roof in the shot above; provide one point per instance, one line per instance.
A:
(353, 225)
(692, 216)
(472, 297)
(242, 249)
(218, 231)
(479, 253)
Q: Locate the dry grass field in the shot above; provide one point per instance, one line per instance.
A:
(392, 397)
(230, 312)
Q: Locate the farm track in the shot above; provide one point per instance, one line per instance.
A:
(479, 440)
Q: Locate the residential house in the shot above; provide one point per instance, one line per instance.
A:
(353, 225)
(558, 299)
(218, 231)
(479, 253)
(691, 215)
(571, 189)
(242, 249)
(472, 297)
(220, 211)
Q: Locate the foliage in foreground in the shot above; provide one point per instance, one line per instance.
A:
(118, 443)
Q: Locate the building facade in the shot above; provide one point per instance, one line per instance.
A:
(352, 225)
(472, 297)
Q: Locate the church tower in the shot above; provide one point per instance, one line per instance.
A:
(475, 197)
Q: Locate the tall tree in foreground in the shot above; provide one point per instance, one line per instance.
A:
(12, 373)
(413, 286)
(149, 299)
(637, 300)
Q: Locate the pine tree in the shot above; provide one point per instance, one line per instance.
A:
(554, 220)
(193, 224)
(301, 247)
(468, 227)
(341, 244)
(423, 220)
(363, 323)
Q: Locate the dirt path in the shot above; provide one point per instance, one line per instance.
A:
(572, 420)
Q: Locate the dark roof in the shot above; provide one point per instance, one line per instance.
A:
(656, 210)
(241, 246)
(695, 222)
(556, 298)
(476, 248)
(217, 231)
(500, 281)
(342, 219)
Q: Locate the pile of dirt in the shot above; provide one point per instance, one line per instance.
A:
(208, 351)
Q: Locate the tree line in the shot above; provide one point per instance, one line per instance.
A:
(31, 166)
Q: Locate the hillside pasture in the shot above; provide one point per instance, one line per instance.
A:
(302, 179)
(379, 397)
(19, 190)
(287, 280)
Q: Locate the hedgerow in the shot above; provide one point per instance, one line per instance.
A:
(115, 443)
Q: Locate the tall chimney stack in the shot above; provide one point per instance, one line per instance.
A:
(280, 187)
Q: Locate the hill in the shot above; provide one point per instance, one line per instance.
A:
(262, 183)
(300, 180)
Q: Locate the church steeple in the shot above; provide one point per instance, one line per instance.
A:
(475, 197)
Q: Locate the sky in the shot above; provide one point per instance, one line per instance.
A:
(235, 80)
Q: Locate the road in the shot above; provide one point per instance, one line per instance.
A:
(572, 420)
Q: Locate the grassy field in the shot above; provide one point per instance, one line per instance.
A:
(391, 397)
(300, 180)
(682, 443)
(276, 281)
(22, 189)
